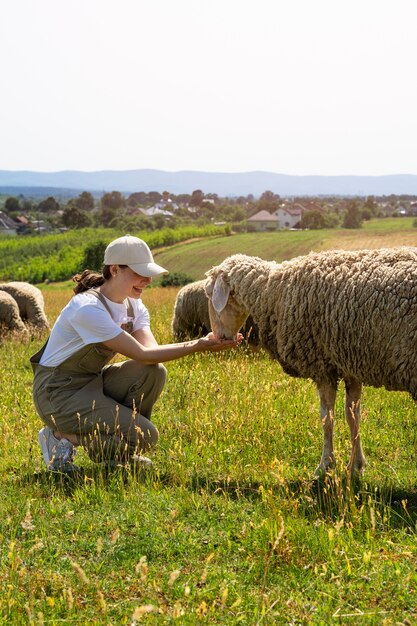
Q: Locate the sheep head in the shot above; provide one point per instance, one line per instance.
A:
(226, 315)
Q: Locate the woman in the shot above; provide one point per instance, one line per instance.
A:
(81, 398)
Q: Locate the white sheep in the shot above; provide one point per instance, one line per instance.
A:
(30, 302)
(191, 315)
(9, 314)
(328, 316)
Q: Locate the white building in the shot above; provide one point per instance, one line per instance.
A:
(7, 225)
(284, 217)
(289, 217)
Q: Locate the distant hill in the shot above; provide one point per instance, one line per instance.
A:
(224, 184)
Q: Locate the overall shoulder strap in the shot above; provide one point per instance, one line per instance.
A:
(130, 313)
(129, 306)
(35, 358)
(100, 297)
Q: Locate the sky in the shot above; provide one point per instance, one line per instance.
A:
(320, 87)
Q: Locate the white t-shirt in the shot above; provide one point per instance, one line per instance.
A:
(86, 320)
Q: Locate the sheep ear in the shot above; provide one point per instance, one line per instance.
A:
(208, 286)
(220, 296)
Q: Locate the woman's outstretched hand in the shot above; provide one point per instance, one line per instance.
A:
(213, 344)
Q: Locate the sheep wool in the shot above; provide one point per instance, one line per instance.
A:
(330, 316)
(30, 302)
(9, 314)
(191, 315)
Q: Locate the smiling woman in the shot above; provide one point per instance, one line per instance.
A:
(81, 397)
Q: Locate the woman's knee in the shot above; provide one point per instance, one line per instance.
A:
(160, 374)
(156, 372)
(151, 379)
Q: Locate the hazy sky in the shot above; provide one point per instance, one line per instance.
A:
(288, 86)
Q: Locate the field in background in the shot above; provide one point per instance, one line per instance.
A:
(196, 257)
(229, 527)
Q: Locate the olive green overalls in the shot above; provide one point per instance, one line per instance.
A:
(107, 406)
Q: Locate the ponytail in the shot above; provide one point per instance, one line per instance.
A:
(88, 280)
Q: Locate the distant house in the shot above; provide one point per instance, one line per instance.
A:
(289, 216)
(156, 210)
(22, 224)
(309, 205)
(284, 217)
(7, 225)
(40, 226)
(263, 221)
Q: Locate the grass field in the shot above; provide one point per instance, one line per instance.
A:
(196, 257)
(229, 527)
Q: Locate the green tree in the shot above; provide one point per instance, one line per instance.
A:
(113, 200)
(238, 214)
(371, 205)
(316, 219)
(27, 206)
(105, 217)
(139, 197)
(176, 279)
(197, 198)
(85, 201)
(153, 197)
(353, 215)
(183, 198)
(268, 201)
(11, 205)
(94, 255)
(75, 217)
(50, 205)
(159, 221)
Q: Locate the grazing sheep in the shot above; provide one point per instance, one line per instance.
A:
(30, 302)
(9, 314)
(191, 315)
(328, 316)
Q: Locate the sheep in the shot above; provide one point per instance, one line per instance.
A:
(328, 316)
(30, 302)
(191, 315)
(9, 314)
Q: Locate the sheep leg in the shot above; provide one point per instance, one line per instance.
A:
(327, 393)
(353, 418)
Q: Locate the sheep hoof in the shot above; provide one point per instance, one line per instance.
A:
(355, 472)
(321, 473)
(325, 466)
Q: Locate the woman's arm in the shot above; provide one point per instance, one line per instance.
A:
(145, 337)
(129, 346)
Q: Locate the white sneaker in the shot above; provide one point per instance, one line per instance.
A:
(57, 453)
(141, 461)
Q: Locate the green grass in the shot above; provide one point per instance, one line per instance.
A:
(229, 527)
(196, 257)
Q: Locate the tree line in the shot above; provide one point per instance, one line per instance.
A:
(115, 210)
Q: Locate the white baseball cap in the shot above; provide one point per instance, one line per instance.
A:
(134, 253)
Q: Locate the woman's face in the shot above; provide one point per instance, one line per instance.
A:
(129, 282)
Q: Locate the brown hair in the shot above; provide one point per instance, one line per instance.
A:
(90, 279)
